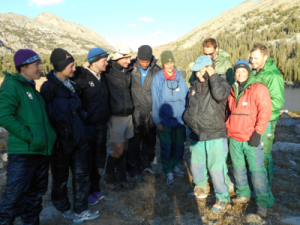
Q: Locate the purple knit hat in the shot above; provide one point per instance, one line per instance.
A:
(25, 56)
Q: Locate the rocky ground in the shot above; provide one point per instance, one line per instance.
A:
(153, 202)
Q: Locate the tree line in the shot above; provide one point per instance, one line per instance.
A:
(277, 29)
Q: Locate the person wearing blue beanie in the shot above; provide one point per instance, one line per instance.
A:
(95, 98)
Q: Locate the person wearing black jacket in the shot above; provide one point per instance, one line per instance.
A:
(118, 75)
(67, 117)
(140, 157)
(95, 101)
(205, 116)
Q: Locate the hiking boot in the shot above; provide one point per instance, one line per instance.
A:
(200, 192)
(127, 185)
(149, 171)
(261, 211)
(98, 195)
(194, 195)
(218, 207)
(241, 200)
(178, 172)
(109, 177)
(86, 215)
(138, 178)
(69, 215)
(170, 179)
(92, 200)
(120, 175)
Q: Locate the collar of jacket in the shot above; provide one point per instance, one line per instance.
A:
(51, 77)
(82, 72)
(118, 68)
(152, 65)
(15, 76)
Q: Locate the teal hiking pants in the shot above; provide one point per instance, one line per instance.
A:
(268, 138)
(215, 152)
(172, 142)
(255, 159)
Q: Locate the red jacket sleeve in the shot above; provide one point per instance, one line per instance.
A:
(264, 108)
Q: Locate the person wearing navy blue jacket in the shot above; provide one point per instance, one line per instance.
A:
(169, 92)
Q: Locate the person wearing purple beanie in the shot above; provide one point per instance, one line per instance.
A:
(30, 140)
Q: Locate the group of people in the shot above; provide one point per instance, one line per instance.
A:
(66, 125)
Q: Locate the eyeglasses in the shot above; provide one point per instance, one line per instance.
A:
(209, 53)
(171, 87)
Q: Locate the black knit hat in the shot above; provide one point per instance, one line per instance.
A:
(145, 53)
(60, 59)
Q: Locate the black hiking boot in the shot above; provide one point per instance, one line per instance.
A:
(109, 177)
(121, 173)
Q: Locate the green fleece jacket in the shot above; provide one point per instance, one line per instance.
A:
(271, 77)
(23, 114)
(223, 68)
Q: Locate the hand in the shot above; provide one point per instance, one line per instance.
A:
(255, 139)
(160, 127)
(210, 70)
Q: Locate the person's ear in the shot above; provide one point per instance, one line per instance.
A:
(265, 57)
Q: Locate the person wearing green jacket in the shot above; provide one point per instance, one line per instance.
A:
(220, 59)
(265, 70)
(30, 140)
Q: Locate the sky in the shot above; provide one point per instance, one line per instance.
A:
(130, 22)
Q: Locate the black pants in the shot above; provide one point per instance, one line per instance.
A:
(60, 164)
(27, 181)
(97, 138)
(141, 152)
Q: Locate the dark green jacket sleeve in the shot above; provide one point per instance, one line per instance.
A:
(230, 76)
(9, 102)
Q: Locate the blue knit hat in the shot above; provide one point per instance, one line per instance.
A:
(201, 62)
(95, 54)
(242, 64)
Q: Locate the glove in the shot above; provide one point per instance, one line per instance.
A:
(254, 140)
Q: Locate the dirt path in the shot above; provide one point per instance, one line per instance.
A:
(155, 203)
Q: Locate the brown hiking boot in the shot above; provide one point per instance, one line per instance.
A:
(261, 211)
(241, 200)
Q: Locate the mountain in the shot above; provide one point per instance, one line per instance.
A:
(46, 32)
(275, 23)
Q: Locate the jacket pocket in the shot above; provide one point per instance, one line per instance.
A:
(39, 143)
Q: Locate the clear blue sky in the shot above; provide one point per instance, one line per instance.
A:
(124, 21)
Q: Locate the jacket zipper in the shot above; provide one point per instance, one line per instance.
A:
(29, 146)
(172, 87)
(43, 121)
(124, 81)
(240, 114)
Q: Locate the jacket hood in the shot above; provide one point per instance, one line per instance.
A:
(270, 66)
(222, 55)
(251, 80)
(152, 64)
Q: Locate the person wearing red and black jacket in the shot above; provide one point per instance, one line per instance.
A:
(249, 111)
(141, 148)
(65, 112)
(94, 96)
